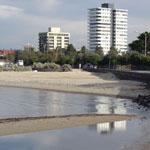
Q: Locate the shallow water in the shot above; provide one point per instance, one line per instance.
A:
(19, 102)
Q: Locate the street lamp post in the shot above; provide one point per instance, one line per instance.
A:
(145, 44)
(145, 51)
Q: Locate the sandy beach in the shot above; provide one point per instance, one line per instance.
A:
(76, 81)
(36, 124)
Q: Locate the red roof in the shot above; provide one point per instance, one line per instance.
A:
(6, 52)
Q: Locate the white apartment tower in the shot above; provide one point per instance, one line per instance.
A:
(48, 41)
(107, 27)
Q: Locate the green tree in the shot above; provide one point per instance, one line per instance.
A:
(136, 58)
(58, 52)
(70, 50)
(64, 60)
(124, 58)
(139, 44)
(99, 51)
(112, 55)
(84, 49)
(11, 57)
(91, 58)
(51, 56)
(79, 58)
(29, 57)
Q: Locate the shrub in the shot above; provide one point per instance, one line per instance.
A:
(66, 68)
(48, 66)
(38, 65)
(16, 68)
(52, 66)
(7, 69)
(22, 69)
(1, 68)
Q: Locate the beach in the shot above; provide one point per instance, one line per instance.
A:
(37, 124)
(78, 81)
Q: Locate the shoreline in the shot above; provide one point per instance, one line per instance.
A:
(73, 92)
(102, 84)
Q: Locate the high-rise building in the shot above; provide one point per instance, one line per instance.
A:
(52, 39)
(107, 27)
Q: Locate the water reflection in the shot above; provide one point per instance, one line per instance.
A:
(29, 102)
(109, 106)
(106, 128)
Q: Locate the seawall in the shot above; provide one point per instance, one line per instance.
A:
(125, 75)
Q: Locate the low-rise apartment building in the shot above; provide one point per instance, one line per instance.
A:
(48, 41)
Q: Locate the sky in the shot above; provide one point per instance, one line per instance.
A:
(22, 20)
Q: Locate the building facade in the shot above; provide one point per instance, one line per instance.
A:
(48, 41)
(107, 27)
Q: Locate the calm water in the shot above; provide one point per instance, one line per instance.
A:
(15, 102)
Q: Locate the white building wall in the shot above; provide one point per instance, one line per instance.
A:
(107, 28)
(62, 42)
(49, 41)
(99, 28)
(120, 29)
(54, 29)
(55, 42)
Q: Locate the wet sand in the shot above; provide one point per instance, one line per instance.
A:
(36, 124)
(105, 84)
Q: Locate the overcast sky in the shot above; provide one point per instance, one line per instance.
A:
(22, 20)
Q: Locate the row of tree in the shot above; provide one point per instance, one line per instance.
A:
(60, 56)
(84, 56)
(73, 57)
